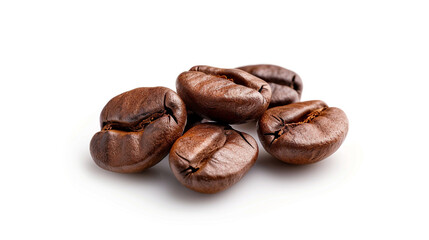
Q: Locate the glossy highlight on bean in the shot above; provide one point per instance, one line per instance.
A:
(141, 126)
(286, 85)
(138, 128)
(211, 157)
(303, 132)
(230, 96)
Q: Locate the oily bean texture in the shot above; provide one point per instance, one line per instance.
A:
(138, 128)
(224, 95)
(286, 85)
(211, 157)
(303, 132)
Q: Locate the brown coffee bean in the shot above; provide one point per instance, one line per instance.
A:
(303, 132)
(224, 95)
(286, 85)
(138, 129)
(211, 157)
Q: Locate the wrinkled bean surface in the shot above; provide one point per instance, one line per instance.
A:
(303, 132)
(211, 157)
(224, 95)
(138, 128)
(286, 85)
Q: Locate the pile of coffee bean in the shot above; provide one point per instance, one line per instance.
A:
(140, 127)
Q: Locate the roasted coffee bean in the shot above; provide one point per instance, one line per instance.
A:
(286, 86)
(138, 129)
(224, 95)
(303, 132)
(212, 157)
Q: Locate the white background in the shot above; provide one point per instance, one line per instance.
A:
(61, 61)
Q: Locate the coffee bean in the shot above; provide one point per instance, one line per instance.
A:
(224, 95)
(212, 157)
(286, 85)
(303, 132)
(138, 128)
